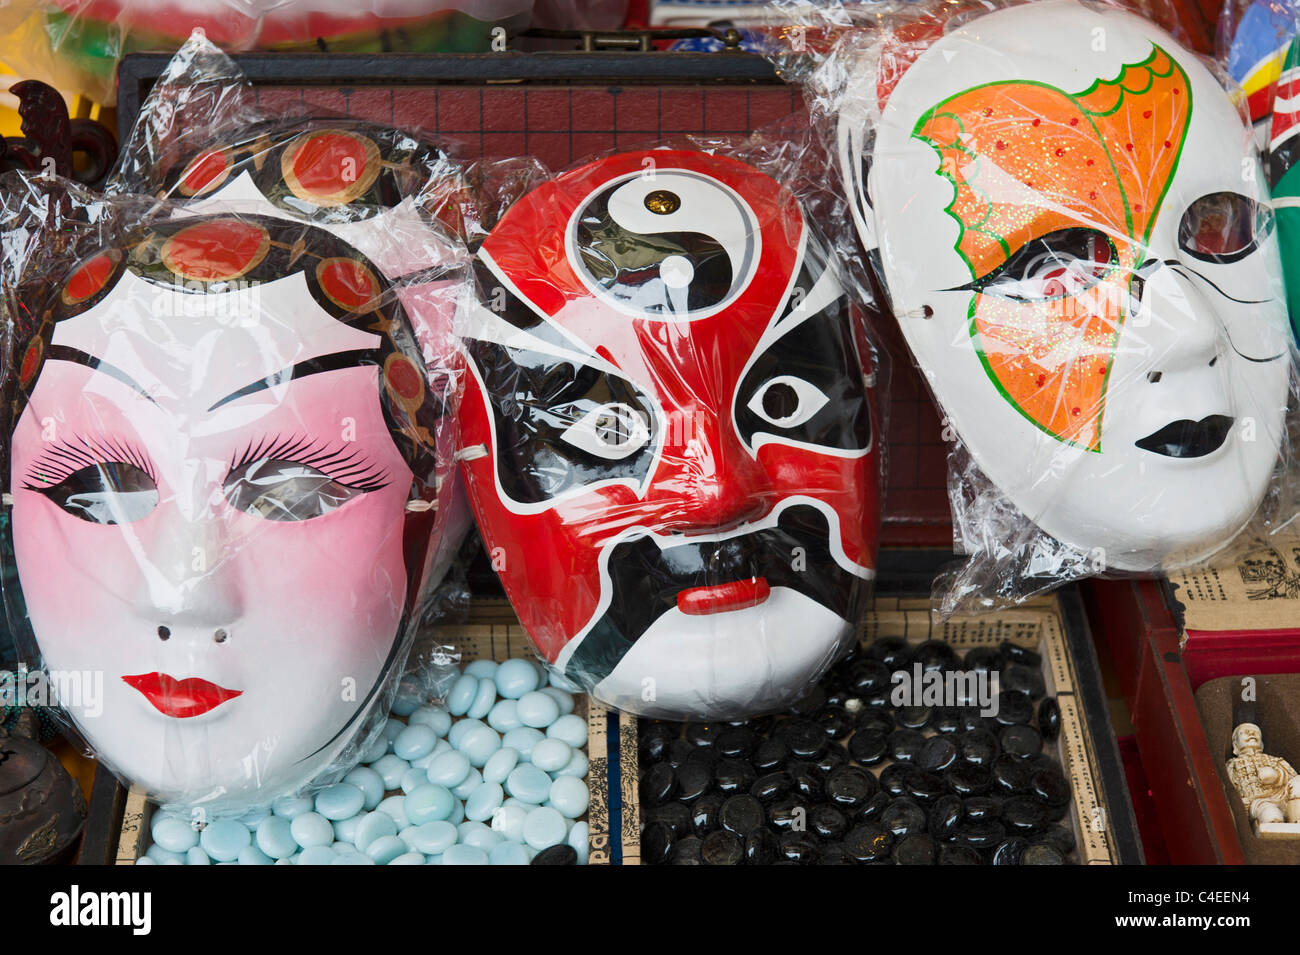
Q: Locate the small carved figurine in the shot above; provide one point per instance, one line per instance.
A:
(42, 810)
(1268, 785)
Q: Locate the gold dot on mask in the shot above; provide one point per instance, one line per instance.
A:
(662, 202)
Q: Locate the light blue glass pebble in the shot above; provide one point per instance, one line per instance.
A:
(580, 839)
(509, 821)
(562, 682)
(457, 813)
(504, 716)
(251, 855)
(340, 801)
(464, 855)
(393, 728)
(311, 829)
(409, 696)
(483, 669)
(284, 862)
(196, 856)
(570, 728)
(449, 769)
(461, 727)
(181, 861)
(442, 746)
(317, 855)
(414, 778)
(514, 678)
(523, 804)
(145, 860)
(174, 833)
(253, 818)
(528, 783)
(373, 826)
(508, 853)
(479, 744)
(483, 700)
(409, 858)
(462, 694)
(414, 742)
(223, 839)
(275, 838)
(570, 796)
(499, 765)
(435, 717)
(472, 782)
(522, 740)
(577, 766)
(391, 769)
(345, 830)
(378, 748)
(551, 755)
(433, 838)
(482, 838)
(484, 801)
(395, 807)
(290, 806)
(369, 782)
(544, 828)
(434, 860)
(353, 858)
(538, 710)
(428, 803)
(385, 849)
(563, 700)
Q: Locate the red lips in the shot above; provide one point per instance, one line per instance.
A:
(720, 598)
(180, 698)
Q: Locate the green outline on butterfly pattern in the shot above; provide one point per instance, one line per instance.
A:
(1142, 68)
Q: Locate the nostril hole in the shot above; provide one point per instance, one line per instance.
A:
(220, 636)
(164, 633)
(1213, 360)
(1154, 376)
(927, 311)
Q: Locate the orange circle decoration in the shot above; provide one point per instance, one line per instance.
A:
(349, 284)
(89, 278)
(205, 173)
(31, 362)
(330, 167)
(404, 382)
(216, 251)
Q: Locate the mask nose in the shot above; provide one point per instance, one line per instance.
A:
(1176, 323)
(190, 580)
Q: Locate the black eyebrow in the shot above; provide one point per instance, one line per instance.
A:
(79, 357)
(313, 366)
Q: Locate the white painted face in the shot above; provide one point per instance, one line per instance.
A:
(1074, 233)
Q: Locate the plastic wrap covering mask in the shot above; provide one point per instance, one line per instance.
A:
(1078, 249)
(670, 451)
(222, 472)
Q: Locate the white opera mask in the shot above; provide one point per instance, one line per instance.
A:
(1079, 251)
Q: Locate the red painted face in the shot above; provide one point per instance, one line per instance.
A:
(668, 437)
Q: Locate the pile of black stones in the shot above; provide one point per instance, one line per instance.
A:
(847, 778)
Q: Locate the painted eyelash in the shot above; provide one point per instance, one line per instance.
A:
(339, 464)
(64, 458)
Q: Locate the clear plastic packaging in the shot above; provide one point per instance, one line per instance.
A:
(668, 429)
(1073, 227)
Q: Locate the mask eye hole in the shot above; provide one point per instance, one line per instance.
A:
(1223, 227)
(611, 431)
(786, 401)
(1054, 266)
(285, 490)
(113, 492)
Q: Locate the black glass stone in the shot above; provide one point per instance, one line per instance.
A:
(787, 813)
(556, 855)
(836, 755)
(741, 814)
(800, 847)
(674, 815)
(947, 720)
(868, 747)
(966, 779)
(979, 835)
(1026, 680)
(924, 786)
(770, 754)
(761, 847)
(722, 848)
(658, 785)
(832, 853)
(891, 651)
(915, 849)
(1020, 741)
(771, 786)
(703, 735)
(686, 851)
(1049, 719)
(1024, 814)
(656, 843)
(806, 739)
(835, 722)
(905, 744)
(653, 740)
(704, 813)
(806, 780)
(1014, 707)
(706, 757)
(866, 677)
(694, 779)
(827, 822)
(871, 810)
(958, 855)
(935, 655)
(881, 721)
(1042, 854)
(737, 742)
(1056, 836)
(913, 717)
(1010, 775)
(1049, 784)
(734, 776)
(1010, 851)
(850, 786)
(810, 702)
(893, 778)
(903, 817)
(878, 700)
(937, 754)
(677, 753)
(982, 808)
(1014, 653)
(868, 842)
(762, 725)
(945, 815)
(983, 660)
(978, 747)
